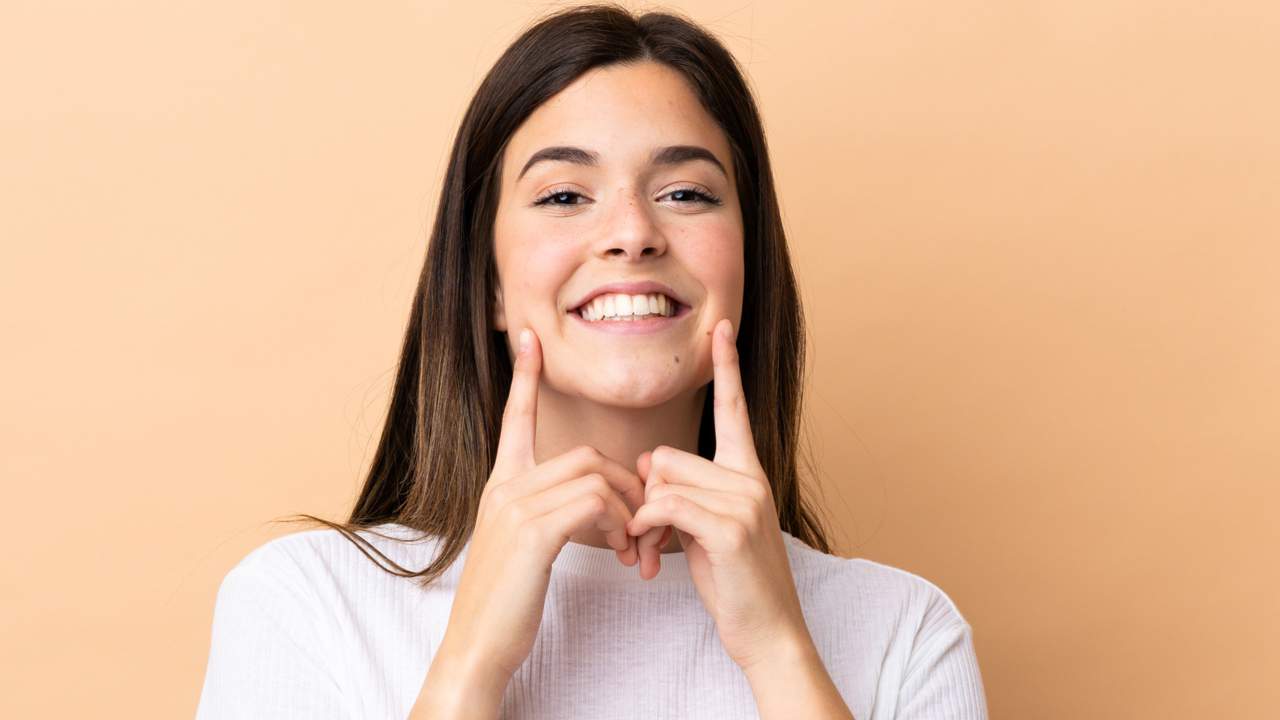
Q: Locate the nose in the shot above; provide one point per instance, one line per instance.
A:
(632, 231)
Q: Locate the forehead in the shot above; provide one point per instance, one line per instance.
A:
(621, 112)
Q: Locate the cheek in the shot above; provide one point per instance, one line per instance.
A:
(716, 260)
(537, 268)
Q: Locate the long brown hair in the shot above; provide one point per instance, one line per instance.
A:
(441, 433)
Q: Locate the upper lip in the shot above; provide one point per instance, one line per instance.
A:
(641, 287)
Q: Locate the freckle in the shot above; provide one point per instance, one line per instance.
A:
(677, 357)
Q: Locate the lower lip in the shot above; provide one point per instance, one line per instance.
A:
(645, 326)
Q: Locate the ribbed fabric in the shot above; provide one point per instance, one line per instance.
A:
(306, 626)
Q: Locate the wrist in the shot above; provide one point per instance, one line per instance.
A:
(790, 653)
(459, 685)
(792, 681)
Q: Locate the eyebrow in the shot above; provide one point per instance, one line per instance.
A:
(670, 155)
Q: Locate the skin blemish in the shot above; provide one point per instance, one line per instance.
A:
(677, 357)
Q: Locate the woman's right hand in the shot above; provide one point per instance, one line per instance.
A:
(527, 512)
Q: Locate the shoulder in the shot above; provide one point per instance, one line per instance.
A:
(880, 626)
(873, 588)
(926, 606)
(322, 557)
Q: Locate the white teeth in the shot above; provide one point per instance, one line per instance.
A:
(618, 307)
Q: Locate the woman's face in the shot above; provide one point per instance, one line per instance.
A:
(608, 213)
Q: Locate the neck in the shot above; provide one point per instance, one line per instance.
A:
(621, 434)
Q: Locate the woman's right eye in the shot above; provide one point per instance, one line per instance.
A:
(557, 195)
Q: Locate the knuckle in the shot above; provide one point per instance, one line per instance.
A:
(586, 453)
(598, 485)
(736, 536)
(595, 504)
(515, 513)
(499, 495)
(733, 402)
(660, 457)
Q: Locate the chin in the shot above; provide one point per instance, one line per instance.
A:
(635, 391)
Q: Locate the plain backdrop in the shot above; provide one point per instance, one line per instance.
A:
(1037, 244)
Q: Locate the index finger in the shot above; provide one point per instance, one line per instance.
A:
(735, 446)
(519, 417)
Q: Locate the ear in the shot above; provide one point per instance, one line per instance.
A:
(499, 313)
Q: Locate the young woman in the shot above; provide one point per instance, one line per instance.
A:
(587, 488)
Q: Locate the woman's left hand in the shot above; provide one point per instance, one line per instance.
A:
(723, 513)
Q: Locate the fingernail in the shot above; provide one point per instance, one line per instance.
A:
(728, 330)
(525, 338)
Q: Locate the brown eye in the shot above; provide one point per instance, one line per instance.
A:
(693, 196)
(557, 195)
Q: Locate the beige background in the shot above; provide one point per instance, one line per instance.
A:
(1037, 244)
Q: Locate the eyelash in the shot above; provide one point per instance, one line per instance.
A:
(705, 198)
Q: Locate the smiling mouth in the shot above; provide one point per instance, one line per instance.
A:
(641, 326)
(622, 308)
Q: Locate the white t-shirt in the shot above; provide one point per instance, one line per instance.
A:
(306, 626)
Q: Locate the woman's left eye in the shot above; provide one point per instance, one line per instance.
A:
(693, 196)
(702, 197)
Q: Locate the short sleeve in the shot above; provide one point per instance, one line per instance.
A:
(942, 679)
(269, 655)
